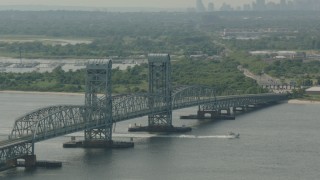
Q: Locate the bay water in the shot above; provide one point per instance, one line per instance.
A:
(280, 142)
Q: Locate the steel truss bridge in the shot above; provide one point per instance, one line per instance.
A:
(101, 109)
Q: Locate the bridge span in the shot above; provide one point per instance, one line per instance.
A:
(101, 109)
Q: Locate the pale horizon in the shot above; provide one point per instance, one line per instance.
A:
(125, 3)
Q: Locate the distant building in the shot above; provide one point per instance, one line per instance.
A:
(283, 4)
(280, 57)
(226, 7)
(280, 54)
(199, 56)
(199, 6)
(313, 90)
(260, 5)
(273, 5)
(313, 56)
(210, 7)
(307, 5)
(246, 7)
(287, 54)
(191, 9)
(260, 53)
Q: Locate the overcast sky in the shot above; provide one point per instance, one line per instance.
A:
(125, 3)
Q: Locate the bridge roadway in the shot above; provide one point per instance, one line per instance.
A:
(56, 121)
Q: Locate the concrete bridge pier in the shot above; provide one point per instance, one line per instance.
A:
(30, 161)
(213, 113)
(224, 111)
(240, 108)
(251, 106)
(9, 164)
(201, 114)
(220, 114)
(12, 162)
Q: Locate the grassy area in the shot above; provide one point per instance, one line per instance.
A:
(130, 88)
(254, 64)
(311, 97)
(9, 54)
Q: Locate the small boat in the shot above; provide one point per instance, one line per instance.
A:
(233, 135)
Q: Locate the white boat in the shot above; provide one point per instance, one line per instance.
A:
(234, 135)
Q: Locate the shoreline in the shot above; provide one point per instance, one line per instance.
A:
(42, 93)
(291, 101)
(301, 101)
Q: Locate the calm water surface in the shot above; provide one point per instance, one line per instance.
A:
(279, 142)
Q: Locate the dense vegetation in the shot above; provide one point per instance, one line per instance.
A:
(180, 34)
(70, 81)
(300, 41)
(221, 75)
(296, 71)
(113, 46)
(113, 34)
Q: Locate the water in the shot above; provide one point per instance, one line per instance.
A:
(279, 142)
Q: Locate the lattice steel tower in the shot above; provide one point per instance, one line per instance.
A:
(160, 85)
(98, 100)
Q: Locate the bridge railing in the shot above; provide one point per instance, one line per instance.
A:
(46, 119)
(23, 125)
(193, 95)
(136, 105)
(68, 120)
(243, 100)
(15, 149)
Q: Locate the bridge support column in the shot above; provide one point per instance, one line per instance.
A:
(160, 85)
(98, 102)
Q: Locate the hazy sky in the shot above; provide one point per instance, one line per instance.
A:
(125, 3)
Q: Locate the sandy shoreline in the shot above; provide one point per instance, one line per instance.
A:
(43, 93)
(297, 101)
(291, 101)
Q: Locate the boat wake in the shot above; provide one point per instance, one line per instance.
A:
(183, 136)
(129, 135)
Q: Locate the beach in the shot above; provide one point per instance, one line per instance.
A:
(291, 101)
(298, 101)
